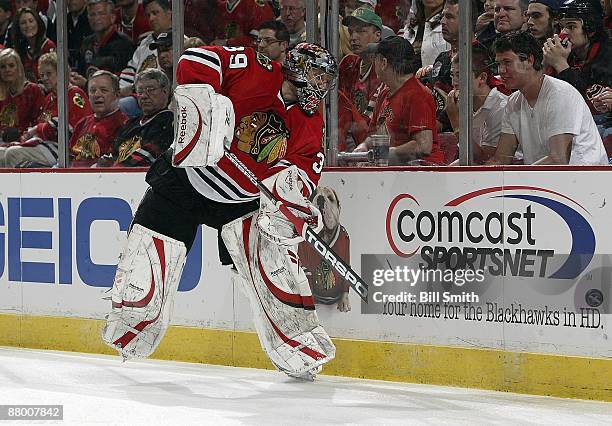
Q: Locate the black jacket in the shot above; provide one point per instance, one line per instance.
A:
(139, 144)
(594, 74)
(112, 54)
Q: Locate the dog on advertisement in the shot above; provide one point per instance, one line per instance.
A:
(327, 286)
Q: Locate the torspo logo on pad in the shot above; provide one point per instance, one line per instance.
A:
(515, 230)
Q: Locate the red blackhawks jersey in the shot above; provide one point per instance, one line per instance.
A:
(137, 27)
(261, 131)
(93, 137)
(21, 111)
(326, 284)
(239, 17)
(78, 107)
(357, 87)
(409, 110)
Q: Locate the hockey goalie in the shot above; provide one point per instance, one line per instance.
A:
(230, 98)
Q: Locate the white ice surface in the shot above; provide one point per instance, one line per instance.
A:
(102, 390)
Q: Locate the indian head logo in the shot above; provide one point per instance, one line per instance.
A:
(8, 116)
(128, 147)
(86, 147)
(263, 135)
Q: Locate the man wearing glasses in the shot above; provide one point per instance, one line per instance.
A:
(145, 137)
(273, 40)
(293, 15)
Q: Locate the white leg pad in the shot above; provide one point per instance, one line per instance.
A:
(143, 292)
(280, 297)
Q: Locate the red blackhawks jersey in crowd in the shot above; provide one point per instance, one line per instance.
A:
(78, 107)
(326, 284)
(261, 133)
(21, 111)
(239, 17)
(135, 28)
(93, 137)
(409, 110)
(358, 87)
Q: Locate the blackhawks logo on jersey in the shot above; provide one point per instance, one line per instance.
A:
(264, 61)
(8, 116)
(149, 62)
(324, 278)
(263, 135)
(78, 100)
(128, 147)
(86, 147)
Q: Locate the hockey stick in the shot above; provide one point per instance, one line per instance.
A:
(307, 233)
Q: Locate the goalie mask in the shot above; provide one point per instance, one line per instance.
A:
(313, 71)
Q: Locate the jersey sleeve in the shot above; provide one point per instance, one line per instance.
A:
(205, 64)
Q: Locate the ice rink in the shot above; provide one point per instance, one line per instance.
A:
(102, 390)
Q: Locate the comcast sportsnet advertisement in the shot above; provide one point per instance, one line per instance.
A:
(506, 252)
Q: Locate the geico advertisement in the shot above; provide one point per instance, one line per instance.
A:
(67, 233)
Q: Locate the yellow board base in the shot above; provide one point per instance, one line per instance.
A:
(540, 374)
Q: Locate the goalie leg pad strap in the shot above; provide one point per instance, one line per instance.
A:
(146, 282)
(280, 298)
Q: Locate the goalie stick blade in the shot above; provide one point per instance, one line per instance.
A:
(311, 237)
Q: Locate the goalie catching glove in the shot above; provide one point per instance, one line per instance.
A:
(203, 125)
(287, 188)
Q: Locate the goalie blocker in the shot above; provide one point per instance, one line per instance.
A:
(203, 123)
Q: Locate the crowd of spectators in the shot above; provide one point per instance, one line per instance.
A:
(399, 72)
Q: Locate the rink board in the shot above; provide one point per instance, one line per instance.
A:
(58, 254)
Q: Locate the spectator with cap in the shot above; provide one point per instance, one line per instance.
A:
(585, 61)
(541, 18)
(293, 15)
(163, 46)
(159, 15)
(142, 139)
(273, 40)
(546, 116)
(404, 108)
(105, 49)
(386, 30)
(508, 15)
(424, 32)
(358, 81)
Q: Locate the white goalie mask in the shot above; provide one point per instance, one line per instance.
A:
(313, 70)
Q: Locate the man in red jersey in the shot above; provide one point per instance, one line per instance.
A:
(180, 199)
(404, 106)
(94, 134)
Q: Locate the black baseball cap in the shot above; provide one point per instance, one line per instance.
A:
(163, 39)
(398, 51)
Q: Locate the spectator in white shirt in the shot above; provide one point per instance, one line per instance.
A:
(546, 116)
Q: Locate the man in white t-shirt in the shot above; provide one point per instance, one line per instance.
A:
(546, 116)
